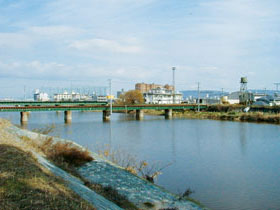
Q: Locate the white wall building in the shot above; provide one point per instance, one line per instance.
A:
(162, 96)
(62, 96)
(40, 96)
(100, 98)
(232, 98)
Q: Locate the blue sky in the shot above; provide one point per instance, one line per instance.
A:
(86, 42)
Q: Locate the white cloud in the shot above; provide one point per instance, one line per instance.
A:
(55, 31)
(105, 45)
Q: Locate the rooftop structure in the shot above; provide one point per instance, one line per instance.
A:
(144, 87)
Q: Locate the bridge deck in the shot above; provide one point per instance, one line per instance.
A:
(48, 103)
(98, 107)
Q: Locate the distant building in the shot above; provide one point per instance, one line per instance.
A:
(259, 95)
(100, 98)
(246, 98)
(38, 96)
(162, 96)
(232, 98)
(145, 88)
(119, 93)
(205, 101)
(268, 100)
(65, 96)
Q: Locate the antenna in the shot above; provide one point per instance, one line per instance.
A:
(198, 96)
(173, 70)
(110, 86)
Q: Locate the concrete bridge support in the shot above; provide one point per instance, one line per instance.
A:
(106, 115)
(67, 116)
(139, 114)
(24, 117)
(168, 114)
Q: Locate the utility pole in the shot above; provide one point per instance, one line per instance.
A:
(222, 95)
(277, 85)
(173, 71)
(24, 94)
(110, 86)
(198, 97)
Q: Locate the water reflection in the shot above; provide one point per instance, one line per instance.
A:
(173, 141)
(243, 137)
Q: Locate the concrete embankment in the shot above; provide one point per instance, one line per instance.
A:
(143, 194)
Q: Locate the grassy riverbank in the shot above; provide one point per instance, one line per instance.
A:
(227, 112)
(259, 117)
(25, 184)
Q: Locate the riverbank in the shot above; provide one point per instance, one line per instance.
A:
(26, 184)
(258, 117)
(97, 175)
(229, 113)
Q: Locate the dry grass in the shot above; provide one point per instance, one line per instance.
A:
(65, 152)
(24, 185)
(231, 116)
(129, 162)
(112, 195)
(65, 155)
(45, 130)
(68, 156)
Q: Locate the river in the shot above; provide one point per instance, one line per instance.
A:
(229, 165)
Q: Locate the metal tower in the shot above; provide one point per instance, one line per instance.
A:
(244, 97)
(243, 85)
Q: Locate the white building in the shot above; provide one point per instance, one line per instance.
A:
(65, 96)
(40, 96)
(162, 96)
(232, 98)
(100, 98)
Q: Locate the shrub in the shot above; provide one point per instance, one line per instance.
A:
(65, 152)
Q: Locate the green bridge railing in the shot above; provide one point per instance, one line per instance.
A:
(86, 107)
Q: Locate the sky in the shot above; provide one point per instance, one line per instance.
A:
(58, 43)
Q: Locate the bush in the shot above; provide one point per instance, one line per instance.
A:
(65, 152)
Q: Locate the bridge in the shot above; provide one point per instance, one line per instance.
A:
(25, 108)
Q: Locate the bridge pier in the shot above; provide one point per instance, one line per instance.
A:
(24, 117)
(168, 114)
(106, 115)
(68, 116)
(139, 114)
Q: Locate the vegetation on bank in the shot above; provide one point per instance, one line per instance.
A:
(231, 116)
(24, 184)
(68, 156)
(228, 112)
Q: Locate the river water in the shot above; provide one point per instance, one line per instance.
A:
(229, 165)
